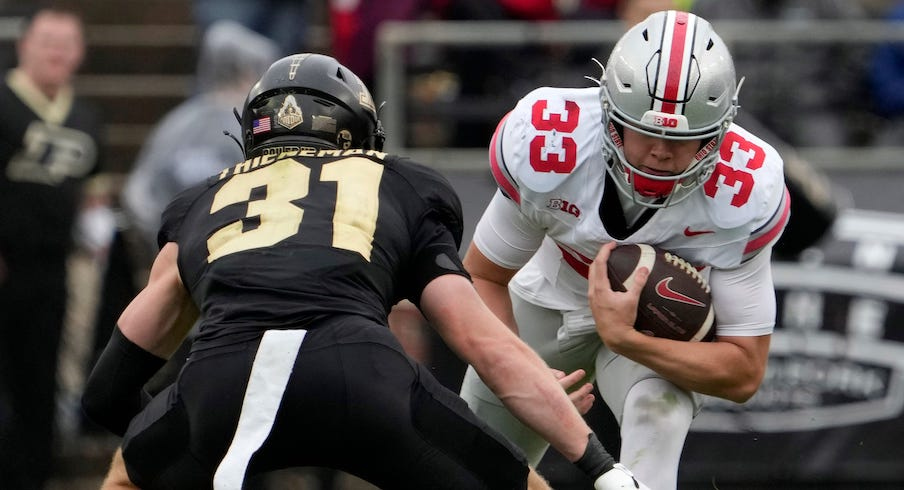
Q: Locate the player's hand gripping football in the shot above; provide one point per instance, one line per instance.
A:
(614, 311)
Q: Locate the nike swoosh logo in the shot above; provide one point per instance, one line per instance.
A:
(689, 232)
(663, 290)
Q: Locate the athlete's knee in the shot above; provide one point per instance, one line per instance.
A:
(658, 403)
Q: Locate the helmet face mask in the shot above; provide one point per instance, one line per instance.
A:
(313, 99)
(670, 77)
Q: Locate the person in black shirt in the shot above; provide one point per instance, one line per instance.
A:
(50, 143)
(292, 260)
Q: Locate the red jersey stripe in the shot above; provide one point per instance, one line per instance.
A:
(503, 179)
(580, 264)
(777, 225)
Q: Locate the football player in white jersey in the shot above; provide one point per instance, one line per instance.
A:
(649, 156)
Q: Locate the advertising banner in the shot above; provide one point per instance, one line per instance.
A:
(831, 407)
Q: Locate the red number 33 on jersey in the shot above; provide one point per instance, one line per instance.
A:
(731, 176)
(554, 151)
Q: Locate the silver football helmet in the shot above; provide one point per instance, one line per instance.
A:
(670, 76)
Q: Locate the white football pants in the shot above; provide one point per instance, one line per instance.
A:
(654, 415)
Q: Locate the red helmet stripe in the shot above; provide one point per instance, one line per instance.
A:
(675, 39)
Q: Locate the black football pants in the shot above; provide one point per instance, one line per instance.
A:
(353, 401)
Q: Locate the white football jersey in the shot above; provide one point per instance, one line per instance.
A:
(546, 158)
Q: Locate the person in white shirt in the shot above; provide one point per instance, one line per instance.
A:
(649, 156)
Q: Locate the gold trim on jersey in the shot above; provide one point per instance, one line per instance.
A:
(289, 152)
(53, 111)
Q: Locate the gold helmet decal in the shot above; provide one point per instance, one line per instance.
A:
(296, 62)
(344, 139)
(289, 114)
(366, 101)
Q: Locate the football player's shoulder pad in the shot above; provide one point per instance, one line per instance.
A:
(434, 190)
(549, 134)
(747, 186)
(174, 213)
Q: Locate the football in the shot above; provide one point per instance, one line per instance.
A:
(675, 303)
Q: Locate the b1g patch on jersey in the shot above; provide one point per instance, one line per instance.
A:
(564, 206)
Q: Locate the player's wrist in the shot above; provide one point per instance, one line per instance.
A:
(596, 460)
(626, 341)
(602, 468)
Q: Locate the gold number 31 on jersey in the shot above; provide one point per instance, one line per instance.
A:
(354, 219)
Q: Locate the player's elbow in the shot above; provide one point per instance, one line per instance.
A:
(744, 386)
(740, 394)
(99, 406)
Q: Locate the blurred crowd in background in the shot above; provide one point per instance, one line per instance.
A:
(810, 95)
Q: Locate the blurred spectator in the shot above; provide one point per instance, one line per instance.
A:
(354, 25)
(803, 92)
(189, 143)
(186, 146)
(286, 22)
(50, 142)
(813, 114)
(633, 11)
(887, 83)
(815, 202)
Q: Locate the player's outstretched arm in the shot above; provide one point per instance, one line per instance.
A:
(518, 376)
(147, 333)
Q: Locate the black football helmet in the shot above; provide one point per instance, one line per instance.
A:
(310, 97)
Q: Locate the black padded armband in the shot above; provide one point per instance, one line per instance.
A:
(596, 460)
(113, 393)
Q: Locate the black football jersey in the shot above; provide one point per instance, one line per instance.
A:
(285, 241)
(42, 166)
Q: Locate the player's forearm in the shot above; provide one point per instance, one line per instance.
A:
(113, 391)
(720, 369)
(506, 364)
(524, 384)
(527, 387)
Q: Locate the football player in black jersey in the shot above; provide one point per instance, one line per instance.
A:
(50, 142)
(291, 261)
